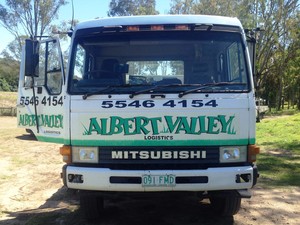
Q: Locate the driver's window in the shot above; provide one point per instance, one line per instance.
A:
(79, 63)
(40, 80)
(236, 70)
(49, 72)
(54, 71)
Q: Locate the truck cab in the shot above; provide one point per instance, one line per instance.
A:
(147, 104)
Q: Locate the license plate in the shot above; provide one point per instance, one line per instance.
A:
(167, 180)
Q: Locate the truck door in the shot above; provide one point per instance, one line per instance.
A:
(41, 100)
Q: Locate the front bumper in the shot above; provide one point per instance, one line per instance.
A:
(211, 179)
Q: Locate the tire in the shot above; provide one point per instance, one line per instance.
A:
(258, 117)
(228, 205)
(92, 205)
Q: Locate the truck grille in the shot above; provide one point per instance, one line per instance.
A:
(146, 158)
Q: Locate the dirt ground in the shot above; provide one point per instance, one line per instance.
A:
(31, 192)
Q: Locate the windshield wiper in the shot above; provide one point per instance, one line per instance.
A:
(205, 86)
(86, 95)
(150, 90)
(144, 91)
(112, 88)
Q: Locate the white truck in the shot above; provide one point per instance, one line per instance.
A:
(146, 104)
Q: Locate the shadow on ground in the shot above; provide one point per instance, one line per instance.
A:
(27, 137)
(63, 209)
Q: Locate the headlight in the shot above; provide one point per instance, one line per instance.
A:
(85, 154)
(231, 154)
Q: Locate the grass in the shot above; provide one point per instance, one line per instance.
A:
(279, 161)
(282, 112)
(8, 99)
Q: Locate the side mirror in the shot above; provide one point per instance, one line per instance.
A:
(251, 42)
(31, 58)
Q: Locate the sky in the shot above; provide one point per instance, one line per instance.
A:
(83, 10)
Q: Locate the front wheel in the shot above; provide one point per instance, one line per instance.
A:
(91, 204)
(227, 205)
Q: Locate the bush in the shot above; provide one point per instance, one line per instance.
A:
(4, 86)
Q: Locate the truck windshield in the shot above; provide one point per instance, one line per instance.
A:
(168, 62)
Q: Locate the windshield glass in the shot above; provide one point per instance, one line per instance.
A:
(175, 62)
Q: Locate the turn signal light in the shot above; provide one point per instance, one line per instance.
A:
(253, 150)
(65, 151)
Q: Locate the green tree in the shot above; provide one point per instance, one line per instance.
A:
(4, 86)
(131, 7)
(183, 7)
(274, 47)
(28, 18)
(243, 9)
(9, 71)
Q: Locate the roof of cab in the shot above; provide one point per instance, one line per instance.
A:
(159, 19)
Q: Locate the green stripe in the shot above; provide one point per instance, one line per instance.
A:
(53, 140)
(147, 143)
(162, 143)
(252, 141)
